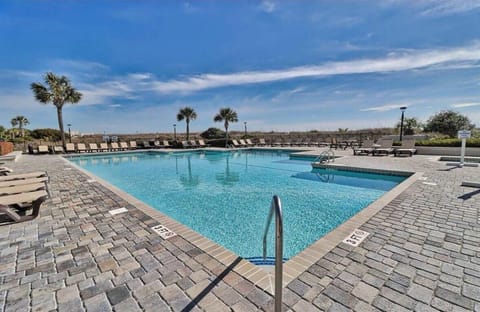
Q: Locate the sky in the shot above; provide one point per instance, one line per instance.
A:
(281, 65)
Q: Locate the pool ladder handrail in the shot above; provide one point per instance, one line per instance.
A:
(325, 156)
(276, 207)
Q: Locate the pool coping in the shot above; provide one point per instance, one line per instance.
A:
(296, 265)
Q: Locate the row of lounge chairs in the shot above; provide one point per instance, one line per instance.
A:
(385, 147)
(20, 193)
(100, 147)
(193, 144)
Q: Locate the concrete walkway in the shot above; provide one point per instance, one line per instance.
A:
(423, 253)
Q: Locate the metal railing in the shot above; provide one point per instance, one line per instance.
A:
(276, 208)
(325, 156)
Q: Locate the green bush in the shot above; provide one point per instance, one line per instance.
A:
(42, 134)
(213, 133)
(474, 142)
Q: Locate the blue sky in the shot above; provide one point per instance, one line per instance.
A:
(282, 65)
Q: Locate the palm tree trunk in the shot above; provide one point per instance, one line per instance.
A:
(60, 125)
(226, 135)
(188, 130)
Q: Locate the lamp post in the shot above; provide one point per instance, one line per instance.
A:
(403, 109)
(69, 133)
(245, 123)
(175, 132)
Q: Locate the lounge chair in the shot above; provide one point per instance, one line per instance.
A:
(236, 144)
(146, 144)
(11, 190)
(42, 149)
(156, 144)
(133, 145)
(5, 171)
(23, 176)
(335, 144)
(103, 147)
(70, 148)
(7, 204)
(23, 182)
(408, 147)
(166, 144)
(81, 147)
(365, 149)
(93, 147)
(201, 143)
(249, 142)
(185, 144)
(57, 149)
(114, 146)
(243, 143)
(386, 147)
(123, 146)
(261, 142)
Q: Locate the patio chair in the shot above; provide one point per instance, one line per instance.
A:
(133, 145)
(236, 144)
(243, 143)
(185, 144)
(166, 144)
(70, 148)
(93, 147)
(23, 182)
(23, 176)
(123, 146)
(201, 143)
(114, 146)
(156, 144)
(42, 149)
(261, 142)
(103, 147)
(249, 142)
(146, 144)
(365, 149)
(7, 204)
(81, 147)
(57, 149)
(408, 148)
(386, 147)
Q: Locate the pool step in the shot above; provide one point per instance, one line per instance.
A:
(261, 261)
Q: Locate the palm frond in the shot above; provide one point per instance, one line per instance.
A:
(41, 93)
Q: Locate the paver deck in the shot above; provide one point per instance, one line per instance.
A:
(423, 253)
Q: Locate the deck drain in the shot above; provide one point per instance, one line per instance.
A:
(163, 231)
(356, 237)
(430, 183)
(117, 211)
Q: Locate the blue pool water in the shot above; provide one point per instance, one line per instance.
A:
(226, 196)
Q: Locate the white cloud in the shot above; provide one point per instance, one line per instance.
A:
(395, 62)
(383, 108)
(460, 105)
(267, 6)
(447, 7)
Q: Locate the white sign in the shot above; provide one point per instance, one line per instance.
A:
(464, 134)
(356, 237)
(163, 231)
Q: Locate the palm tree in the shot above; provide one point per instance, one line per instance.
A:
(227, 115)
(188, 114)
(58, 92)
(20, 121)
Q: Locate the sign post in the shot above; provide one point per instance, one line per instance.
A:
(464, 135)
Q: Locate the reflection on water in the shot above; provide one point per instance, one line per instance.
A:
(227, 177)
(189, 179)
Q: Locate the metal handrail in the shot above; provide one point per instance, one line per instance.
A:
(326, 154)
(276, 208)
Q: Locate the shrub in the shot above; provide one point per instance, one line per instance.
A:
(42, 134)
(213, 133)
(473, 142)
(448, 122)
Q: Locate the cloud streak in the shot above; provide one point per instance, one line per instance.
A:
(461, 105)
(394, 62)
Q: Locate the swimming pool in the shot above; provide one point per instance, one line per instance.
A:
(226, 196)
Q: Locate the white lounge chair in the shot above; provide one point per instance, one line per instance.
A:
(408, 148)
(386, 147)
(42, 149)
(81, 147)
(70, 148)
(133, 145)
(93, 147)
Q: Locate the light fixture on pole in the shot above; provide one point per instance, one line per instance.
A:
(69, 133)
(175, 132)
(403, 109)
(245, 123)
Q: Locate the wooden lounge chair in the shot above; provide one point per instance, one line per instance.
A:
(243, 143)
(156, 144)
(11, 190)
(166, 144)
(185, 144)
(23, 182)
(114, 146)
(23, 176)
(201, 143)
(103, 147)
(236, 144)
(249, 142)
(81, 147)
(193, 144)
(93, 147)
(407, 148)
(57, 149)
(386, 147)
(146, 144)
(261, 142)
(42, 149)
(365, 149)
(70, 148)
(7, 204)
(123, 146)
(133, 145)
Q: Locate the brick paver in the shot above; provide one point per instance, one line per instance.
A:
(423, 254)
